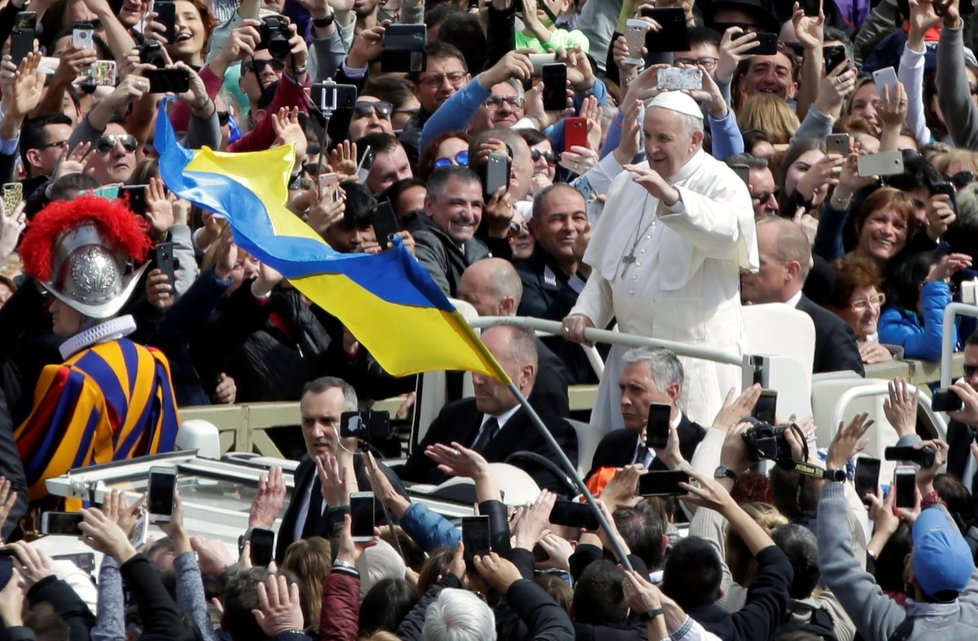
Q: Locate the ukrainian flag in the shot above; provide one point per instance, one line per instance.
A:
(388, 301)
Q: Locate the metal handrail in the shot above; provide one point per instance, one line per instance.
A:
(876, 389)
(947, 336)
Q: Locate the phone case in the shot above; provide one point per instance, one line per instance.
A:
(882, 164)
(675, 79)
(575, 133)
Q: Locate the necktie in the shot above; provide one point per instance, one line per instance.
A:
(640, 454)
(488, 431)
(314, 516)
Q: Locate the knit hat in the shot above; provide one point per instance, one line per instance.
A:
(942, 560)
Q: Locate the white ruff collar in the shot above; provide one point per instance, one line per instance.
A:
(109, 330)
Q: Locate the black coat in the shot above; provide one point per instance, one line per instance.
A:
(617, 448)
(835, 343)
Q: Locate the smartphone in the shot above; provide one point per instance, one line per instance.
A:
(946, 400)
(766, 408)
(102, 73)
(13, 195)
(923, 457)
(573, 514)
(362, 515)
(164, 261)
(884, 163)
(84, 561)
(906, 486)
(328, 183)
(139, 534)
(661, 483)
(867, 476)
(838, 144)
(330, 96)
(166, 15)
(674, 35)
(885, 78)
(366, 162)
(657, 427)
(404, 48)
(496, 175)
(475, 538)
(761, 372)
(385, 223)
(945, 187)
(21, 44)
(167, 80)
(833, 56)
(135, 197)
(677, 79)
(575, 133)
(635, 31)
(767, 44)
(82, 38)
(554, 87)
(162, 487)
(538, 60)
(743, 172)
(26, 20)
(263, 546)
(61, 523)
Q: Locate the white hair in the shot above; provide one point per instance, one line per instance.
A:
(458, 615)
(379, 562)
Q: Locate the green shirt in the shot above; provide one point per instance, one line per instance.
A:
(559, 39)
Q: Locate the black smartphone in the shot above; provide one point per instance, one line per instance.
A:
(761, 374)
(475, 538)
(662, 483)
(674, 35)
(262, 546)
(923, 457)
(573, 514)
(767, 44)
(945, 187)
(330, 96)
(657, 427)
(810, 7)
(906, 486)
(166, 15)
(554, 87)
(364, 163)
(163, 257)
(362, 516)
(162, 488)
(404, 46)
(26, 20)
(167, 80)
(65, 523)
(833, 56)
(766, 408)
(21, 44)
(495, 174)
(867, 476)
(946, 400)
(135, 197)
(384, 223)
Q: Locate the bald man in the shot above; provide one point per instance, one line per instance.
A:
(493, 287)
(786, 258)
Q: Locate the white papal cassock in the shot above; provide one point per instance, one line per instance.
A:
(673, 273)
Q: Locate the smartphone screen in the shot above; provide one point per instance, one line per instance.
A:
(366, 162)
(554, 87)
(385, 223)
(867, 476)
(657, 427)
(573, 514)
(167, 80)
(475, 537)
(162, 486)
(906, 484)
(832, 57)
(766, 408)
(65, 523)
(262, 546)
(362, 515)
(661, 483)
(166, 15)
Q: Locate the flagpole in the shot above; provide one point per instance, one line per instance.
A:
(602, 521)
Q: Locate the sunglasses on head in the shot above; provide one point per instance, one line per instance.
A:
(106, 144)
(258, 66)
(381, 108)
(461, 159)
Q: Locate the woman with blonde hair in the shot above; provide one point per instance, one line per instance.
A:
(769, 113)
(310, 560)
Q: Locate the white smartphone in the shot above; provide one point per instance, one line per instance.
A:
(540, 59)
(83, 38)
(635, 31)
(64, 523)
(882, 164)
(162, 487)
(675, 79)
(362, 516)
(885, 78)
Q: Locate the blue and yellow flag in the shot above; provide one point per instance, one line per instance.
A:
(388, 301)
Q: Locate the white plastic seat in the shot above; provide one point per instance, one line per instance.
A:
(787, 337)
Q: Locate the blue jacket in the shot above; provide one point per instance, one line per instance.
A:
(920, 338)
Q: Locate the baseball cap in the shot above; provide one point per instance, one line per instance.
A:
(942, 560)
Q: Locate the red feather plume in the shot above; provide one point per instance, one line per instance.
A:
(123, 230)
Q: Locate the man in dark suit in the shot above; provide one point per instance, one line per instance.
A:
(651, 375)
(323, 402)
(962, 426)
(786, 258)
(494, 423)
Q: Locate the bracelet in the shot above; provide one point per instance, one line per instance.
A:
(291, 631)
(324, 22)
(340, 563)
(345, 507)
(843, 202)
(648, 615)
(932, 498)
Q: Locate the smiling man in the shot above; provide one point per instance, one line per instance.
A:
(775, 74)
(454, 207)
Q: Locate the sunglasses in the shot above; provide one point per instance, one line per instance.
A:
(461, 159)
(258, 66)
(549, 156)
(970, 370)
(106, 144)
(381, 108)
(963, 178)
(61, 143)
(223, 117)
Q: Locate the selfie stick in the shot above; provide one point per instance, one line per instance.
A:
(572, 471)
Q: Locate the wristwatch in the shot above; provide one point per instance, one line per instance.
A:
(725, 472)
(324, 22)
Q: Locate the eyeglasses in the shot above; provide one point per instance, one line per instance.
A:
(517, 230)
(707, 62)
(383, 109)
(61, 143)
(549, 156)
(860, 306)
(970, 370)
(259, 65)
(963, 178)
(223, 117)
(495, 102)
(106, 144)
(456, 78)
(461, 159)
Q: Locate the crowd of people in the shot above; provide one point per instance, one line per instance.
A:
(562, 159)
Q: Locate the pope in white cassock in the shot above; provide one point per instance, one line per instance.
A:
(666, 257)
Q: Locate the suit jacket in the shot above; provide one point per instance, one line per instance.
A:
(959, 437)
(460, 421)
(443, 259)
(549, 394)
(617, 448)
(835, 343)
(306, 474)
